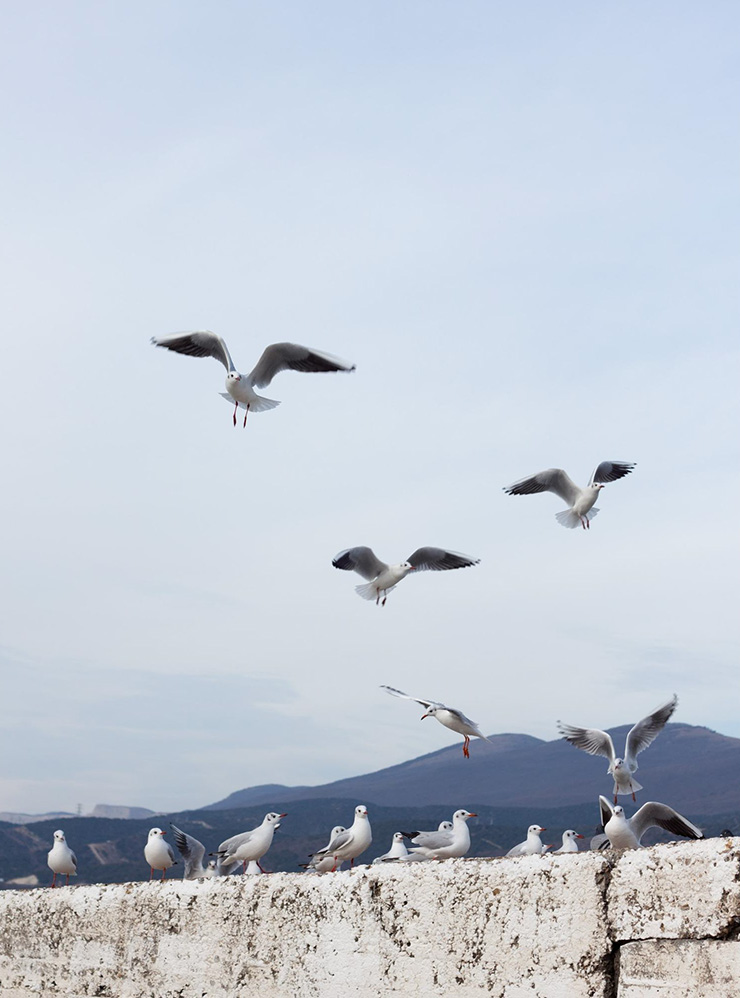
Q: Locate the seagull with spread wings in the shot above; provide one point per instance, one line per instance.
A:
(451, 717)
(383, 579)
(625, 833)
(581, 501)
(642, 734)
(240, 387)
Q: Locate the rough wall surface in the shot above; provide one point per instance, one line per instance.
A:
(532, 927)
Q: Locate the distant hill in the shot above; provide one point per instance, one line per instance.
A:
(691, 768)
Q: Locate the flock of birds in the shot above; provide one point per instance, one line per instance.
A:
(452, 838)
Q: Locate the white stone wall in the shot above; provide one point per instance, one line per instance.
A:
(654, 922)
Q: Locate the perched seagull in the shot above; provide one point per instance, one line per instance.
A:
(240, 387)
(445, 844)
(383, 579)
(397, 850)
(451, 717)
(532, 845)
(626, 833)
(642, 734)
(569, 841)
(582, 509)
(350, 843)
(61, 859)
(158, 853)
(193, 852)
(250, 845)
(322, 862)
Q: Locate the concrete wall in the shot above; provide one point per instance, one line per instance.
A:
(655, 922)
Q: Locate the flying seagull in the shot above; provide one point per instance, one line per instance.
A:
(240, 387)
(581, 501)
(642, 734)
(626, 833)
(383, 579)
(451, 717)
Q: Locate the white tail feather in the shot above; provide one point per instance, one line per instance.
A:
(259, 404)
(369, 591)
(567, 518)
(626, 793)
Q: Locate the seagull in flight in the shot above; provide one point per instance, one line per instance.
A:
(240, 387)
(581, 501)
(383, 579)
(642, 734)
(451, 717)
(625, 833)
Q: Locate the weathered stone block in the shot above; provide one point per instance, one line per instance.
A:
(679, 968)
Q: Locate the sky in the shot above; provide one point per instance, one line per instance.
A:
(519, 221)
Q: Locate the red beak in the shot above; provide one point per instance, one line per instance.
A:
(283, 815)
(579, 836)
(423, 716)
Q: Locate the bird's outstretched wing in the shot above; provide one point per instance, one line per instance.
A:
(591, 740)
(438, 560)
(293, 357)
(552, 480)
(191, 849)
(647, 730)
(652, 813)
(201, 343)
(606, 810)
(361, 560)
(610, 471)
(424, 703)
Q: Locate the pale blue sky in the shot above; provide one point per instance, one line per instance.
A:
(519, 221)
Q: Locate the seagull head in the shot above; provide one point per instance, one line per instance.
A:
(361, 810)
(431, 711)
(59, 836)
(535, 830)
(598, 485)
(463, 815)
(273, 817)
(618, 811)
(155, 831)
(618, 764)
(233, 376)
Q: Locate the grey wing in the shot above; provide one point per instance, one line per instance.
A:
(553, 480)
(517, 849)
(232, 844)
(591, 740)
(361, 560)
(606, 810)
(433, 840)
(611, 471)
(342, 839)
(201, 343)
(653, 813)
(438, 560)
(74, 858)
(647, 730)
(293, 357)
(398, 693)
(170, 852)
(190, 848)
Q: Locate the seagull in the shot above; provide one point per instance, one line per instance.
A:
(61, 859)
(569, 841)
(445, 844)
(193, 852)
(350, 843)
(158, 853)
(532, 845)
(275, 358)
(397, 850)
(249, 845)
(582, 509)
(322, 862)
(626, 833)
(451, 717)
(642, 734)
(383, 579)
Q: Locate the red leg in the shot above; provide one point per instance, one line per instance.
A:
(588, 524)
(246, 413)
(67, 880)
(633, 797)
(54, 880)
(377, 596)
(163, 873)
(384, 599)
(261, 867)
(615, 798)
(151, 872)
(235, 408)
